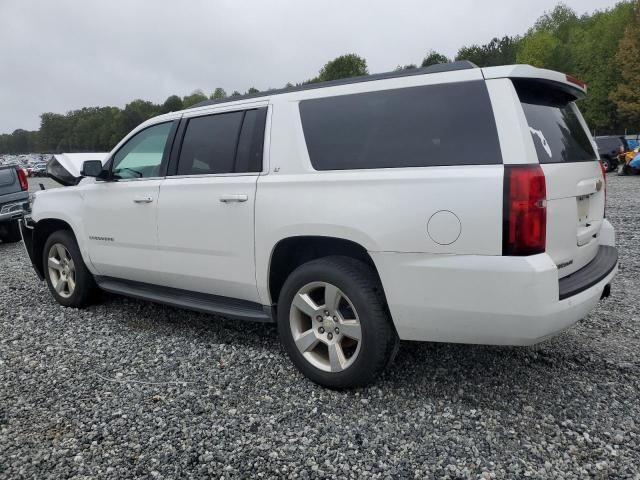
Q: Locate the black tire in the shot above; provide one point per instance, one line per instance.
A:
(360, 284)
(10, 232)
(606, 163)
(85, 290)
(623, 169)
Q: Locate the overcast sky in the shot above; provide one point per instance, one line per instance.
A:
(61, 55)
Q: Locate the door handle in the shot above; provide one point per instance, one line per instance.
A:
(234, 198)
(143, 200)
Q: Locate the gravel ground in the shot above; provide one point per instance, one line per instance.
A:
(131, 389)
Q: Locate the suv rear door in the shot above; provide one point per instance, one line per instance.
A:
(574, 179)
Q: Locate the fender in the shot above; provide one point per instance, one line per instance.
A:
(65, 204)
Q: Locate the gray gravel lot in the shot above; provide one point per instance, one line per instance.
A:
(131, 389)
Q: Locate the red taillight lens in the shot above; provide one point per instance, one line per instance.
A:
(604, 179)
(524, 228)
(22, 178)
(577, 82)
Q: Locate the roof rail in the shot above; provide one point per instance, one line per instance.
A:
(438, 68)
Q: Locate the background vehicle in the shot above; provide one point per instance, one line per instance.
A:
(39, 170)
(609, 148)
(350, 214)
(628, 162)
(14, 201)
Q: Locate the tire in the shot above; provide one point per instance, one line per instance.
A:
(606, 163)
(84, 286)
(360, 311)
(10, 232)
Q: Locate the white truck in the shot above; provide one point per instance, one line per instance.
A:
(449, 204)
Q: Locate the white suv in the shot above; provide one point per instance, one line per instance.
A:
(449, 204)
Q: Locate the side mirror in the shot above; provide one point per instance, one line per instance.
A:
(91, 168)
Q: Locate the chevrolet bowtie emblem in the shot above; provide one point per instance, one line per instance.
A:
(599, 185)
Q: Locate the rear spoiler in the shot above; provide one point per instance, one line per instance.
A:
(567, 83)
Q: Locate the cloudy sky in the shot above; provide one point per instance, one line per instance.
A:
(61, 55)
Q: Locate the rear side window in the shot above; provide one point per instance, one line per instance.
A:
(223, 143)
(209, 144)
(433, 125)
(554, 124)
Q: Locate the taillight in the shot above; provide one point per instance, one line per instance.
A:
(577, 82)
(604, 179)
(524, 227)
(22, 178)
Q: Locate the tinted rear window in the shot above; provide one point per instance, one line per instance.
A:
(554, 124)
(434, 125)
(7, 176)
(209, 144)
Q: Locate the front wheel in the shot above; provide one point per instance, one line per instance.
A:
(333, 322)
(67, 276)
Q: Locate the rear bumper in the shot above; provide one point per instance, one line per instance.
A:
(599, 268)
(485, 299)
(13, 206)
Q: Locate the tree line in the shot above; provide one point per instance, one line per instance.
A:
(602, 49)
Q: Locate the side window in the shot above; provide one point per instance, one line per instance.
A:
(433, 125)
(142, 155)
(223, 143)
(251, 144)
(209, 144)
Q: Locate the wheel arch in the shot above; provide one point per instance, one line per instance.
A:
(41, 231)
(291, 252)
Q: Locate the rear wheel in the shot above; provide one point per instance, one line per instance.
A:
(606, 164)
(333, 322)
(10, 231)
(623, 169)
(67, 276)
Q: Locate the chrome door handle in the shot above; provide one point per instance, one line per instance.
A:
(234, 198)
(143, 200)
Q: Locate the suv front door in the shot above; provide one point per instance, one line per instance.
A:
(207, 204)
(120, 214)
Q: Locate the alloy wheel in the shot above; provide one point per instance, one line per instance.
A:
(62, 270)
(325, 327)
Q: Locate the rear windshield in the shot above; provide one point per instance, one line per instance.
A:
(425, 126)
(6, 176)
(554, 124)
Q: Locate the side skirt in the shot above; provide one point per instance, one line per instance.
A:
(200, 302)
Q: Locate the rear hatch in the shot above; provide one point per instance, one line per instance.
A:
(574, 179)
(9, 181)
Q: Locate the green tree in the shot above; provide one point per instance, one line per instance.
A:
(53, 129)
(236, 93)
(409, 66)
(252, 91)
(434, 58)
(592, 44)
(499, 51)
(627, 94)
(172, 104)
(538, 50)
(134, 114)
(344, 66)
(196, 96)
(218, 94)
